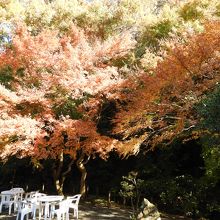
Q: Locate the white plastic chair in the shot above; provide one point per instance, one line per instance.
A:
(34, 199)
(29, 205)
(30, 194)
(18, 195)
(62, 211)
(19, 191)
(48, 205)
(73, 203)
(24, 208)
(8, 201)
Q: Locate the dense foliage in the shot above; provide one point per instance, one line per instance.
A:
(209, 110)
(81, 79)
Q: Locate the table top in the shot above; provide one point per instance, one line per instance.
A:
(13, 191)
(51, 198)
(9, 192)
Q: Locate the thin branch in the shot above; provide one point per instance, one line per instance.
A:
(68, 168)
(157, 132)
(190, 127)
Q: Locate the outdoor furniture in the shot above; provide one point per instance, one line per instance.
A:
(47, 204)
(11, 197)
(62, 211)
(30, 194)
(29, 205)
(33, 198)
(19, 192)
(17, 189)
(25, 207)
(18, 195)
(73, 203)
(7, 200)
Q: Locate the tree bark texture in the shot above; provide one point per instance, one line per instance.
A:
(59, 175)
(81, 162)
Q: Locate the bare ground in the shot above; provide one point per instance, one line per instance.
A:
(87, 212)
(90, 211)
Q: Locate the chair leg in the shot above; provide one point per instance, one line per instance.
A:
(58, 216)
(76, 213)
(34, 213)
(9, 211)
(1, 208)
(15, 207)
(67, 216)
(18, 215)
(22, 216)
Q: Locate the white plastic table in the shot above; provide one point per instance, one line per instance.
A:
(7, 199)
(7, 192)
(15, 195)
(49, 203)
(14, 192)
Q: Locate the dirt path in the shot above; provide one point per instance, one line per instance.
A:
(88, 212)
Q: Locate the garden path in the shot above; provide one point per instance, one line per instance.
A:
(88, 211)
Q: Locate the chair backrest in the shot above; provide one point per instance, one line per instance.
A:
(74, 199)
(18, 189)
(19, 192)
(24, 205)
(30, 194)
(6, 198)
(64, 206)
(38, 195)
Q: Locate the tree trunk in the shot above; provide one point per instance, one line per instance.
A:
(133, 208)
(64, 174)
(59, 176)
(81, 162)
(57, 168)
(109, 199)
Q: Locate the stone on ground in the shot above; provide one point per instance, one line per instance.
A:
(148, 211)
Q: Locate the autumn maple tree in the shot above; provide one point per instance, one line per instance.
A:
(51, 95)
(160, 104)
(66, 59)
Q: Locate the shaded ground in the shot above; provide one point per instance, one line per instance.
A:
(93, 211)
(88, 212)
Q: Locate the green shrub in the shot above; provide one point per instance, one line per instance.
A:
(189, 12)
(6, 76)
(217, 13)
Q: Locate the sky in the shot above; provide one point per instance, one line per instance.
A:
(5, 35)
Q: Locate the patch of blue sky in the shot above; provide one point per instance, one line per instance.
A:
(5, 35)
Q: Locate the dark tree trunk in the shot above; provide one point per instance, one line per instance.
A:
(57, 169)
(81, 162)
(59, 175)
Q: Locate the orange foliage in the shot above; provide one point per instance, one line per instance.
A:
(46, 70)
(69, 136)
(160, 105)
